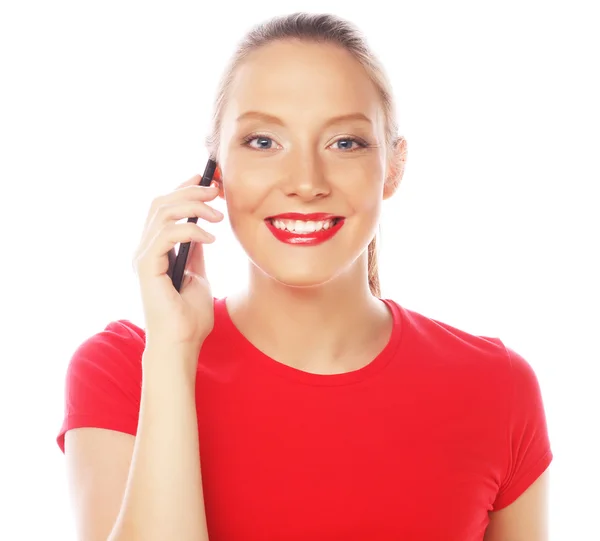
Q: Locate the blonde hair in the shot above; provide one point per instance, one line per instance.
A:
(317, 28)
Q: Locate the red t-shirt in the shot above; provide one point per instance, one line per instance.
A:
(440, 428)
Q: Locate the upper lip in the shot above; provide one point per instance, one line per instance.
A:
(313, 217)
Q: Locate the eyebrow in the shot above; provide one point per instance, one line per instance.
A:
(276, 120)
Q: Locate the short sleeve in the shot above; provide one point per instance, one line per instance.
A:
(103, 381)
(528, 440)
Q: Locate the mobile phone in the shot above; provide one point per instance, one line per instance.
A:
(177, 262)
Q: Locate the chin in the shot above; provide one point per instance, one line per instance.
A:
(299, 277)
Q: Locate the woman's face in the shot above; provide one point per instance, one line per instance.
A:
(303, 133)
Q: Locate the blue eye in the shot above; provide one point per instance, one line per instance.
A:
(350, 140)
(263, 142)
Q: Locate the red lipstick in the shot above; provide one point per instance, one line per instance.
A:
(301, 237)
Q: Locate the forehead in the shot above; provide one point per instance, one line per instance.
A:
(306, 78)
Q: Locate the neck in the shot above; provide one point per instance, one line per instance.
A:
(335, 327)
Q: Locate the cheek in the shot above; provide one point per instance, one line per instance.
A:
(364, 190)
(245, 190)
(243, 183)
(368, 198)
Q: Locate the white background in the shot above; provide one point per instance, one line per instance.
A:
(495, 228)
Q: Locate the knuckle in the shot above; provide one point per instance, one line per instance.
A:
(174, 231)
(158, 214)
(202, 193)
(189, 228)
(157, 202)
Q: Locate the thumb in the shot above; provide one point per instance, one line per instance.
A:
(196, 260)
(194, 287)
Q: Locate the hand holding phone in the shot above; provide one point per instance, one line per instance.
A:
(179, 310)
(177, 262)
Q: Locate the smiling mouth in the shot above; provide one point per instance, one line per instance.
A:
(303, 227)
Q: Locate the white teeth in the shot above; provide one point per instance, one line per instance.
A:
(301, 227)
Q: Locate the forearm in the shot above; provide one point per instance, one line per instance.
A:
(163, 499)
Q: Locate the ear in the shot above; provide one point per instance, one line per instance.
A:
(218, 180)
(395, 170)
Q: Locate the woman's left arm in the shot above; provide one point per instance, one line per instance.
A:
(526, 519)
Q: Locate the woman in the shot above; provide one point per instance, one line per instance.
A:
(305, 407)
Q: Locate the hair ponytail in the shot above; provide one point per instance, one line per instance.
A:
(373, 268)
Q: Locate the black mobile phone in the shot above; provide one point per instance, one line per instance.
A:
(177, 262)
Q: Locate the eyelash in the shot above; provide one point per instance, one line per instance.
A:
(362, 143)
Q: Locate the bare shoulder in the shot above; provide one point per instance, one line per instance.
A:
(526, 519)
(97, 462)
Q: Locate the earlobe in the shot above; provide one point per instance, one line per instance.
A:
(218, 175)
(218, 181)
(389, 187)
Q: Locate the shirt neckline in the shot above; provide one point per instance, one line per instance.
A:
(245, 348)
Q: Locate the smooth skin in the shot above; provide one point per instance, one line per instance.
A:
(281, 151)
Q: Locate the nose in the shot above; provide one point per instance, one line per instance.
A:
(306, 177)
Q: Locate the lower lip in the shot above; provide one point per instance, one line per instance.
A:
(304, 239)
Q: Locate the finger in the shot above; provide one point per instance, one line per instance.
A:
(154, 258)
(193, 286)
(195, 180)
(162, 221)
(195, 261)
(187, 209)
(187, 194)
(168, 214)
